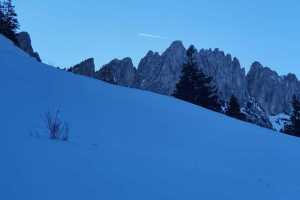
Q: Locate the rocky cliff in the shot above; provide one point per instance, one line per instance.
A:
(227, 73)
(261, 92)
(24, 42)
(120, 72)
(272, 91)
(85, 68)
(160, 73)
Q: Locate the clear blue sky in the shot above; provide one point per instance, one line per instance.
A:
(67, 31)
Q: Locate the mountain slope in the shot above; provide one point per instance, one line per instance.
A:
(129, 144)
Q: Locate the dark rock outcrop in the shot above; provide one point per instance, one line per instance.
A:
(272, 91)
(226, 72)
(160, 73)
(120, 72)
(24, 42)
(85, 68)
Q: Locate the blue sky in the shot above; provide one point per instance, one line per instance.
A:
(67, 31)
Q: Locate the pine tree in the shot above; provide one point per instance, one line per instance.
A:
(293, 128)
(207, 92)
(1, 15)
(194, 86)
(234, 109)
(185, 88)
(9, 22)
(1, 10)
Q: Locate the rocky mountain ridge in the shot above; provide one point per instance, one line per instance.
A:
(261, 92)
(85, 68)
(120, 72)
(272, 91)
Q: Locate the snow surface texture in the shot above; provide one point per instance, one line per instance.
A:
(130, 144)
(279, 121)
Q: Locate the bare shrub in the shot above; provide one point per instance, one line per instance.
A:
(55, 127)
(65, 135)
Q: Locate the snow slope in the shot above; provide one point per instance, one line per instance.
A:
(130, 144)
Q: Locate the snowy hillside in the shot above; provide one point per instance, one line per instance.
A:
(129, 144)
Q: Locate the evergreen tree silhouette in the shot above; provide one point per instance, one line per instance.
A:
(194, 86)
(234, 109)
(293, 128)
(8, 20)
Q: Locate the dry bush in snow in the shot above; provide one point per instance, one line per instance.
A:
(56, 128)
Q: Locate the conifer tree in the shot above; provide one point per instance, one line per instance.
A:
(207, 92)
(1, 9)
(293, 128)
(1, 15)
(185, 88)
(11, 16)
(194, 86)
(234, 109)
(8, 21)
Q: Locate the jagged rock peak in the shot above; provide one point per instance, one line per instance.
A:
(24, 42)
(85, 68)
(291, 77)
(176, 44)
(235, 60)
(219, 52)
(258, 69)
(125, 62)
(227, 73)
(88, 62)
(160, 73)
(257, 65)
(272, 91)
(121, 72)
(151, 53)
(176, 47)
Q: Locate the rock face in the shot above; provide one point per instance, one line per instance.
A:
(25, 44)
(262, 92)
(85, 68)
(160, 73)
(120, 72)
(272, 91)
(226, 72)
(256, 114)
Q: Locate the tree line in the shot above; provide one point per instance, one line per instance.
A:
(196, 87)
(293, 126)
(9, 23)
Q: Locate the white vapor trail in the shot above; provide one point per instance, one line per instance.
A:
(148, 35)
